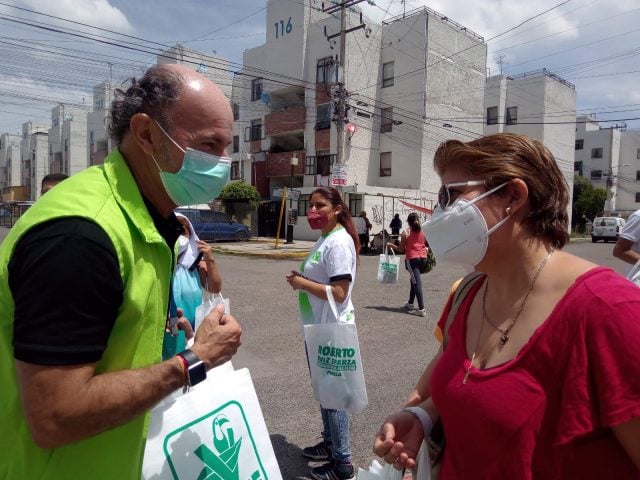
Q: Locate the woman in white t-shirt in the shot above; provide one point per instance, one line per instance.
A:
(332, 261)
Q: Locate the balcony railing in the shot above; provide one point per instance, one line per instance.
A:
(289, 120)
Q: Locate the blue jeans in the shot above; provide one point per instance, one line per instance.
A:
(336, 432)
(414, 266)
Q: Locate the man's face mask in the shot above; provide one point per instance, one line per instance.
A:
(459, 233)
(199, 180)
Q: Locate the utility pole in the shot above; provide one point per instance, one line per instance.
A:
(341, 104)
(501, 61)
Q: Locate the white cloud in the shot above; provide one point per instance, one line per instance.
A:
(99, 13)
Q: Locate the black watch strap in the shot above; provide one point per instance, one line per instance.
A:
(196, 369)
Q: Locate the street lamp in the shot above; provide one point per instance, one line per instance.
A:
(291, 220)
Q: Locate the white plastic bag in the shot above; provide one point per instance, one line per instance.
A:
(634, 274)
(209, 301)
(378, 472)
(388, 268)
(215, 430)
(335, 363)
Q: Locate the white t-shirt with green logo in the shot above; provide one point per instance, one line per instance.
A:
(332, 256)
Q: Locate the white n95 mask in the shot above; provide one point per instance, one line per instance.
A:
(459, 233)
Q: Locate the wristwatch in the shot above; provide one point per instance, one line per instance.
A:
(196, 371)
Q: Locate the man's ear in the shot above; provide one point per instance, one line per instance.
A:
(143, 132)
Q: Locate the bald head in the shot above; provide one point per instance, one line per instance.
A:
(161, 90)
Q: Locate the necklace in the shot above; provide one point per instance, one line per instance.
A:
(504, 337)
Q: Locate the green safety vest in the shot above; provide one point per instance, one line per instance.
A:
(109, 196)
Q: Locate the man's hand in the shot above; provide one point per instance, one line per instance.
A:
(217, 338)
(399, 440)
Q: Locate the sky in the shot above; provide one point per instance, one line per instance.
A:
(594, 44)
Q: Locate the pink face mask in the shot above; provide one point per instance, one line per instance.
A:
(317, 221)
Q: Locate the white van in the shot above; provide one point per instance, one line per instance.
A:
(606, 228)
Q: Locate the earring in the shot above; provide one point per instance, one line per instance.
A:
(508, 211)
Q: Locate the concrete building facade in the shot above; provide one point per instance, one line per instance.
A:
(610, 158)
(10, 167)
(540, 105)
(400, 79)
(68, 148)
(98, 141)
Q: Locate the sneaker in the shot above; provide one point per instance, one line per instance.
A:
(321, 451)
(333, 471)
(409, 306)
(420, 313)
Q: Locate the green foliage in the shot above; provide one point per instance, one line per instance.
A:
(239, 199)
(588, 202)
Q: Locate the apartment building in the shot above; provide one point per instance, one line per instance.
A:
(401, 77)
(34, 165)
(68, 148)
(10, 160)
(538, 104)
(98, 141)
(610, 158)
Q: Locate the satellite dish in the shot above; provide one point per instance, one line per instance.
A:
(266, 98)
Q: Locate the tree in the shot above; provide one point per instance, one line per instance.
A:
(239, 199)
(588, 202)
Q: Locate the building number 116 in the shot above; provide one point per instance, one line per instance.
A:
(282, 29)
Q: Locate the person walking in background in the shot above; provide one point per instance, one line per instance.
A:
(627, 247)
(51, 180)
(414, 245)
(195, 275)
(84, 287)
(541, 353)
(363, 226)
(396, 224)
(332, 261)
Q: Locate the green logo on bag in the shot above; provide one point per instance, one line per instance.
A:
(335, 359)
(218, 445)
(389, 267)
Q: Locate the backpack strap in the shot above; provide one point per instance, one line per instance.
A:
(458, 297)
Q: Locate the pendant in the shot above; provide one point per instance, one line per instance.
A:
(468, 364)
(466, 376)
(504, 338)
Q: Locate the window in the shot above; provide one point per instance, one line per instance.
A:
(596, 174)
(91, 136)
(387, 74)
(637, 175)
(386, 122)
(100, 104)
(326, 71)
(512, 115)
(577, 167)
(66, 144)
(236, 111)
(236, 143)
(638, 153)
(256, 130)
(363, 114)
(385, 164)
(320, 164)
(596, 153)
(235, 167)
(637, 197)
(579, 144)
(256, 89)
(355, 204)
(303, 204)
(54, 124)
(492, 115)
(323, 116)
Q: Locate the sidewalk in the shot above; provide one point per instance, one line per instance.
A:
(265, 248)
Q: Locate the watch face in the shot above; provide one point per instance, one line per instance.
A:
(197, 373)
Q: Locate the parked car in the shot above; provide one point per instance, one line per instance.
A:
(606, 228)
(213, 226)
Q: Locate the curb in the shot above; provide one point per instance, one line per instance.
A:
(268, 255)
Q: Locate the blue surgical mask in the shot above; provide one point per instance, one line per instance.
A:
(199, 180)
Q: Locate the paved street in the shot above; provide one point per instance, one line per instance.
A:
(395, 346)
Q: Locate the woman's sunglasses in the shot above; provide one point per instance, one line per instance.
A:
(444, 194)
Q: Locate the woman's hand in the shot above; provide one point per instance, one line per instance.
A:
(399, 440)
(206, 250)
(294, 279)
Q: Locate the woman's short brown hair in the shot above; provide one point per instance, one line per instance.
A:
(505, 156)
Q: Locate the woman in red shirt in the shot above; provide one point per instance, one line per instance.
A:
(413, 244)
(540, 377)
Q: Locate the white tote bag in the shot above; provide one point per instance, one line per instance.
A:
(388, 268)
(214, 431)
(336, 369)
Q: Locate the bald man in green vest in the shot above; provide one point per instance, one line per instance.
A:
(85, 281)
